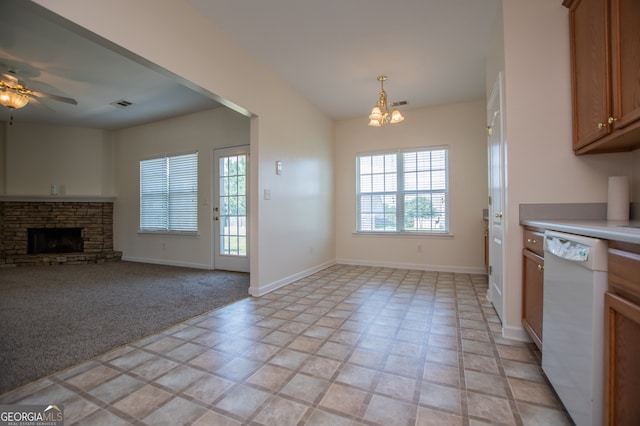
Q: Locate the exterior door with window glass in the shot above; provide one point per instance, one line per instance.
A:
(230, 210)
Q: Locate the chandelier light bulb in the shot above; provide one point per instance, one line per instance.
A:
(380, 113)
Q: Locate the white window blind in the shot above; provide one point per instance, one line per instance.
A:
(169, 193)
(406, 191)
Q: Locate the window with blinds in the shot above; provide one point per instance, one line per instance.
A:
(169, 194)
(404, 191)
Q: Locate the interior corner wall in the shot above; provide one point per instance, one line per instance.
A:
(3, 157)
(461, 127)
(77, 160)
(541, 165)
(202, 132)
(635, 177)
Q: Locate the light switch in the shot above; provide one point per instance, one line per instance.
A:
(278, 167)
(267, 194)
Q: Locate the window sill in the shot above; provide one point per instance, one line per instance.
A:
(194, 234)
(444, 235)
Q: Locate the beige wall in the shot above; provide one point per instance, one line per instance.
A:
(78, 160)
(458, 126)
(202, 132)
(541, 166)
(284, 126)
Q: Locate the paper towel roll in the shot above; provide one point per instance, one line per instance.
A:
(618, 203)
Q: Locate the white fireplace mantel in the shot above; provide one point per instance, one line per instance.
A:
(58, 198)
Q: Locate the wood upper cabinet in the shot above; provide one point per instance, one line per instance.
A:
(590, 70)
(605, 69)
(622, 336)
(626, 45)
(533, 284)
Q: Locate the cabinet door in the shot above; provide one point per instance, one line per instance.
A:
(626, 54)
(622, 369)
(590, 67)
(532, 295)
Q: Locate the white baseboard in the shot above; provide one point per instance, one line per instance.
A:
(167, 262)
(268, 288)
(515, 333)
(416, 266)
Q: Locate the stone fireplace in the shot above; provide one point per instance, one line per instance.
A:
(39, 230)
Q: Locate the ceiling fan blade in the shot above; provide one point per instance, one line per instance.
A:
(54, 97)
(39, 104)
(10, 78)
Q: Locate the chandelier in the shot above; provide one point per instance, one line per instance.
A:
(380, 113)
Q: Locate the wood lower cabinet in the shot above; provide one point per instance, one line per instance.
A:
(533, 284)
(622, 336)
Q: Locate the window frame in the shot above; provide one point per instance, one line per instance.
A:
(167, 225)
(399, 194)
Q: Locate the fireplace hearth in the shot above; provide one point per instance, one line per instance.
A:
(54, 240)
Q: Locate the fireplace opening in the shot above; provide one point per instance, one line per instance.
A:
(54, 240)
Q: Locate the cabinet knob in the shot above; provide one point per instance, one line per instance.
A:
(609, 122)
(532, 240)
(540, 267)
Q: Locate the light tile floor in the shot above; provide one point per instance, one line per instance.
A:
(349, 345)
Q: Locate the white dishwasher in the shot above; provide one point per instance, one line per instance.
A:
(575, 280)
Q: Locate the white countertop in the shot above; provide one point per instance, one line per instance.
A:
(615, 230)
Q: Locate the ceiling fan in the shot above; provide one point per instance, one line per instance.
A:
(14, 94)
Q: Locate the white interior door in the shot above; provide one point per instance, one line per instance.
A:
(496, 156)
(231, 208)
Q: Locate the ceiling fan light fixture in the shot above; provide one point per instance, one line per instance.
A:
(380, 113)
(12, 99)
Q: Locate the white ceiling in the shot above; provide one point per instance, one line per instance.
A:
(50, 55)
(330, 51)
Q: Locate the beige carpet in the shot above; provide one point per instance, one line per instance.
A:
(52, 317)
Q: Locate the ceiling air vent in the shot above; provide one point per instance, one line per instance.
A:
(121, 103)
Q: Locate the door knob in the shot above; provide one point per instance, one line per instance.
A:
(498, 215)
